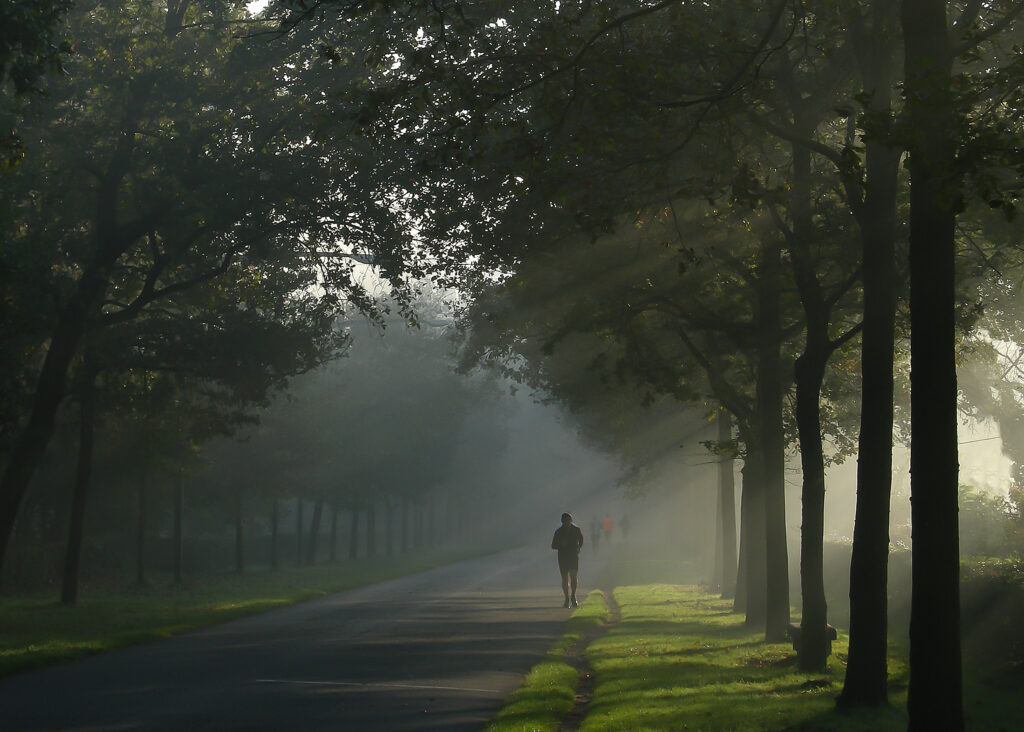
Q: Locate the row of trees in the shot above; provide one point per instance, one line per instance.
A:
(789, 123)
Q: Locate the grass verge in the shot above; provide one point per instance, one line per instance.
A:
(547, 693)
(36, 631)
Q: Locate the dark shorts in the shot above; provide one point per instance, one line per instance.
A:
(568, 563)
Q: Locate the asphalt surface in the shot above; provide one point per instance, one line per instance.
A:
(437, 650)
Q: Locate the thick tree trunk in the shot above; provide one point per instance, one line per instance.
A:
(178, 536)
(239, 548)
(752, 522)
(867, 662)
(49, 393)
(298, 532)
(935, 692)
(274, 517)
(353, 534)
(727, 511)
(773, 445)
(314, 530)
(83, 475)
(140, 533)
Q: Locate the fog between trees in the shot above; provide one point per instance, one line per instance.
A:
(780, 238)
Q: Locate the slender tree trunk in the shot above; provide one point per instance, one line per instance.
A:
(431, 520)
(140, 533)
(334, 533)
(83, 476)
(371, 528)
(274, 517)
(727, 509)
(809, 373)
(405, 525)
(773, 445)
(179, 517)
(935, 691)
(353, 535)
(239, 548)
(314, 530)
(389, 546)
(866, 667)
(298, 532)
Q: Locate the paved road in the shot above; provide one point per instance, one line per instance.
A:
(438, 650)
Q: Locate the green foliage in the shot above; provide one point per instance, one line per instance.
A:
(989, 527)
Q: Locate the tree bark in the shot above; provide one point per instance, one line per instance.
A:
(178, 534)
(314, 530)
(935, 691)
(274, 517)
(83, 476)
(405, 525)
(389, 525)
(353, 536)
(867, 662)
(140, 533)
(298, 532)
(752, 523)
(334, 533)
(371, 528)
(49, 393)
(727, 510)
(239, 548)
(772, 444)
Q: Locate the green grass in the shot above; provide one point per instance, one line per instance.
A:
(546, 695)
(680, 659)
(37, 631)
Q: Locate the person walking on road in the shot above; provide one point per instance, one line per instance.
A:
(607, 529)
(567, 541)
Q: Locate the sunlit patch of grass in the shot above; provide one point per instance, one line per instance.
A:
(547, 693)
(37, 631)
(680, 659)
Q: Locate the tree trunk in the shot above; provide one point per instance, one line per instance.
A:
(179, 517)
(334, 533)
(935, 691)
(353, 535)
(431, 520)
(772, 445)
(239, 549)
(809, 372)
(314, 530)
(49, 393)
(753, 529)
(298, 532)
(727, 511)
(140, 534)
(389, 526)
(83, 475)
(867, 662)
(273, 532)
(405, 525)
(371, 528)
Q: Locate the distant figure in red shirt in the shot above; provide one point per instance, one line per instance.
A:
(607, 529)
(567, 541)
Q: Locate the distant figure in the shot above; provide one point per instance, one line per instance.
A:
(607, 529)
(595, 533)
(624, 527)
(567, 541)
